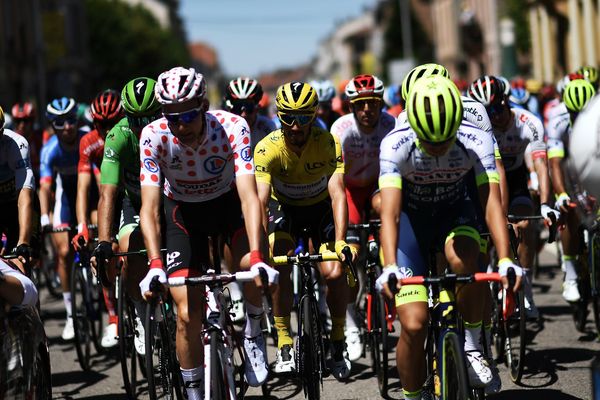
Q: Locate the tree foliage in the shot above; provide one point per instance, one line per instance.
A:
(517, 11)
(127, 41)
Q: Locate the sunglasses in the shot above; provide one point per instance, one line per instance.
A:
(139, 122)
(239, 108)
(62, 123)
(299, 119)
(185, 117)
(366, 100)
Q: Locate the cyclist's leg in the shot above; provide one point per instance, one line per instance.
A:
(411, 307)
(63, 216)
(570, 244)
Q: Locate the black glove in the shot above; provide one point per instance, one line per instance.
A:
(103, 252)
(24, 250)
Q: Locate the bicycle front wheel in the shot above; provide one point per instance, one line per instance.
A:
(594, 260)
(515, 335)
(309, 350)
(381, 343)
(453, 372)
(217, 379)
(126, 330)
(81, 320)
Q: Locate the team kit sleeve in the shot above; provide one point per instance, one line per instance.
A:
(263, 158)
(84, 164)
(535, 132)
(110, 171)
(22, 167)
(150, 173)
(557, 127)
(483, 152)
(46, 163)
(241, 145)
(389, 160)
(339, 157)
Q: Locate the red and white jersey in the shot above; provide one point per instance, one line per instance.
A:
(361, 150)
(91, 151)
(201, 174)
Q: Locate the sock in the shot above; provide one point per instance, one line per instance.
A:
(570, 267)
(416, 395)
(472, 336)
(337, 328)
(140, 309)
(67, 301)
(193, 380)
(254, 317)
(235, 292)
(351, 316)
(110, 305)
(282, 324)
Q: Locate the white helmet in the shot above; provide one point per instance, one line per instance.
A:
(584, 148)
(178, 85)
(325, 90)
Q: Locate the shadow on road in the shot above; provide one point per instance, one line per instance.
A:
(545, 394)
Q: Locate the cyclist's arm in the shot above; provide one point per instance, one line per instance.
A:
(150, 219)
(489, 195)
(541, 169)
(251, 209)
(45, 196)
(84, 180)
(391, 203)
(335, 186)
(106, 210)
(556, 172)
(16, 288)
(504, 198)
(25, 205)
(264, 194)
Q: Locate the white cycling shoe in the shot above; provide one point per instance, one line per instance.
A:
(354, 345)
(109, 336)
(256, 360)
(68, 332)
(480, 374)
(139, 339)
(285, 362)
(571, 291)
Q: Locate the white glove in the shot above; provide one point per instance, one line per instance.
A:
(272, 273)
(534, 183)
(562, 200)
(547, 212)
(145, 283)
(507, 263)
(385, 275)
(45, 220)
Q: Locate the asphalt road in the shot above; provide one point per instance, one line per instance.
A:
(557, 363)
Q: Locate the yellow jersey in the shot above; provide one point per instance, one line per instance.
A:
(298, 180)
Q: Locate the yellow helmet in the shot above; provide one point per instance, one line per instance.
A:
(297, 97)
(2, 119)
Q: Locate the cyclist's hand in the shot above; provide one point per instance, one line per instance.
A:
(340, 245)
(550, 215)
(102, 253)
(272, 273)
(44, 221)
(503, 266)
(156, 269)
(82, 232)
(382, 282)
(23, 251)
(562, 202)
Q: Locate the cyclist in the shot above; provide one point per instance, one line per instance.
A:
(106, 111)
(521, 98)
(119, 211)
(360, 134)
(23, 118)
(326, 93)
(576, 95)
(590, 74)
(242, 97)
(392, 97)
(16, 289)
(301, 167)
(515, 129)
(17, 193)
(206, 163)
(424, 174)
(60, 156)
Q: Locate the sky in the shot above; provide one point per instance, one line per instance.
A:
(253, 36)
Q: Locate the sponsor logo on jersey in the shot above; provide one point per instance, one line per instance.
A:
(147, 142)
(215, 164)
(109, 153)
(150, 165)
(310, 167)
(246, 154)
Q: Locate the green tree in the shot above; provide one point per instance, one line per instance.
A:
(517, 11)
(127, 41)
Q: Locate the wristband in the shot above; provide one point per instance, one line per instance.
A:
(79, 228)
(255, 257)
(504, 261)
(339, 246)
(155, 262)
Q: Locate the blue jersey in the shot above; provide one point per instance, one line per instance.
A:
(56, 161)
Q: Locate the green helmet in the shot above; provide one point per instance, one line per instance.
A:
(577, 94)
(434, 109)
(138, 97)
(421, 71)
(590, 74)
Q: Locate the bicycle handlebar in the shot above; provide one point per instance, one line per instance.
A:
(242, 276)
(134, 253)
(469, 278)
(373, 223)
(552, 229)
(50, 229)
(300, 258)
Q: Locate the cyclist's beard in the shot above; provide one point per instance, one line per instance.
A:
(296, 138)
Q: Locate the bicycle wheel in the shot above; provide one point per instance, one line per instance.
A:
(453, 372)
(217, 381)
(380, 342)
(498, 336)
(309, 351)
(126, 330)
(594, 259)
(95, 303)
(162, 368)
(79, 312)
(515, 336)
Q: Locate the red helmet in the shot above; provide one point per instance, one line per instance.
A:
(23, 111)
(107, 106)
(518, 83)
(364, 86)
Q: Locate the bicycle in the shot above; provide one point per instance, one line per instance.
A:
(446, 361)
(380, 312)
(310, 347)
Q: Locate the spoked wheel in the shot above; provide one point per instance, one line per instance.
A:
(239, 363)
(130, 359)
(594, 274)
(95, 308)
(452, 368)
(381, 343)
(217, 378)
(580, 308)
(162, 368)
(498, 335)
(514, 330)
(310, 352)
(82, 325)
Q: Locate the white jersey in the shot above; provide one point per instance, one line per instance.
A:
(261, 128)
(558, 129)
(202, 174)
(524, 129)
(361, 150)
(427, 181)
(30, 293)
(15, 165)
(584, 148)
